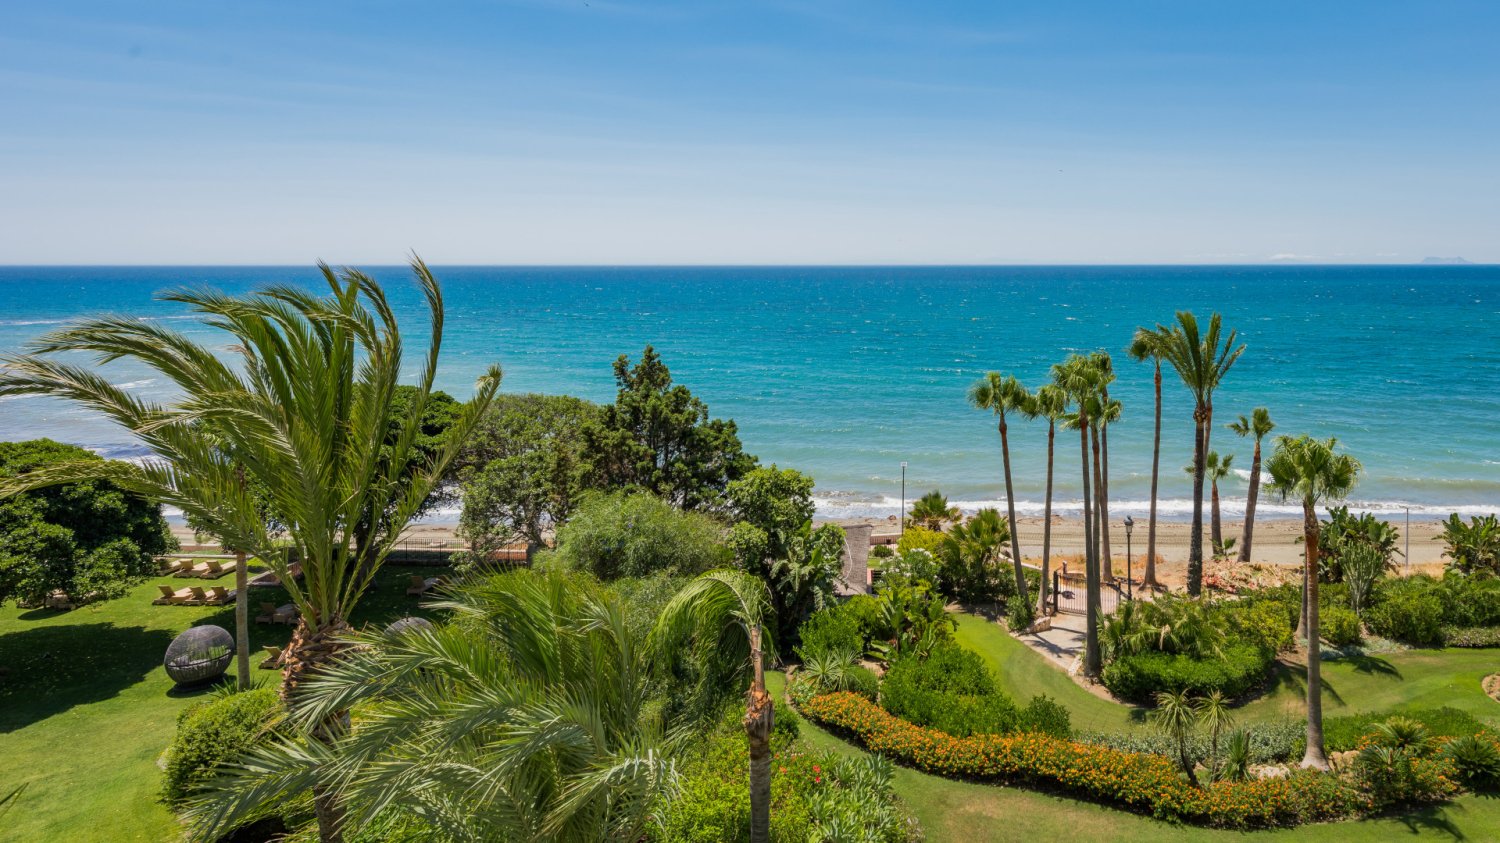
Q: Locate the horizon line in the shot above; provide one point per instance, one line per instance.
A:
(790, 265)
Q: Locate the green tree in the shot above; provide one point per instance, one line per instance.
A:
(971, 557)
(1003, 394)
(1216, 468)
(1104, 413)
(1214, 714)
(636, 534)
(1472, 547)
(932, 512)
(524, 469)
(306, 415)
(1079, 381)
(719, 620)
(774, 539)
(566, 745)
(658, 436)
(1177, 717)
(1150, 344)
(1312, 472)
(1050, 403)
(90, 540)
(1259, 425)
(1201, 360)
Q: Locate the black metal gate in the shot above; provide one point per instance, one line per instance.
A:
(1070, 595)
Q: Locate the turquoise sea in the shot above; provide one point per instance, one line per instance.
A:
(846, 372)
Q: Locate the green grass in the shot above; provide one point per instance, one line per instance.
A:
(86, 708)
(1407, 679)
(963, 812)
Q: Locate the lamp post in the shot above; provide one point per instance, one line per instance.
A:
(902, 514)
(1129, 584)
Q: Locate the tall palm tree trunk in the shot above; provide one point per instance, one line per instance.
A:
(1218, 531)
(759, 714)
(1250, 504)
(1314, 756)
(241, 622)
(1150, 576)
(1195, 538)
(1010, 505)
(313, 646)
(1041, 603)
(1102, 496)
(1091, 661)
(1101, 514)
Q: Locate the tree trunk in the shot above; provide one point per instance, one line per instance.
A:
(1218, 530)
(1041, 604)
(1101, 515)
(1101, 499)
(1010, 505)
(241, 622)
(759, 714)
(312, 648)
(1195, 538)
(1250, 504)
(1150, 577)
(330, 815)
(1314, 757)
(1091, 661)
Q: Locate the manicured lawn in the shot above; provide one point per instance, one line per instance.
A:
(1412, 678)
(964, 812)
(86, 708)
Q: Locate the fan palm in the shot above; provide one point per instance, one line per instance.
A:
(1201, 359)
(305, 417)
(527, 717)
(1310, 471)
(933, 512)
(721, 617)
(1078, 380)
(1001, 394)
(1147, 345)
(1106, 413)
(1259, 425)
(1051, 403)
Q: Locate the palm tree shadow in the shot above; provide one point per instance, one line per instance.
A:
(1371, 665)
(1293, 678)
(1433, 818)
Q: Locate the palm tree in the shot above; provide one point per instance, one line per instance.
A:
(1310, 471)
(1259, 425)
(722, 615)
(1107, 414)
(1176, 716)
(305, 417)
(1215, 714)
(1078, 381)
(1002, 393)
(933, 512)
(527, 717)
(1148, 344)
(1215, 468)
(1048, 402)
(1201, 361)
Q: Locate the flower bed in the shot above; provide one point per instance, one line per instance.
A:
(1140, 782)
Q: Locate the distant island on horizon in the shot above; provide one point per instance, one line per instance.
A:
(1453, 261)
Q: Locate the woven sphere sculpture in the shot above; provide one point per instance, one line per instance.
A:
(199, 654)
(408, 624)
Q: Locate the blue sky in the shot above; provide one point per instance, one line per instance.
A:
(609, 131)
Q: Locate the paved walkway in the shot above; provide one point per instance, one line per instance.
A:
(1063, 643)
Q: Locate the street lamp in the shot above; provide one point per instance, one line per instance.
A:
(902, 514)
(1129, 585)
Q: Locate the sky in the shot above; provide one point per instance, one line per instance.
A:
(617, 132)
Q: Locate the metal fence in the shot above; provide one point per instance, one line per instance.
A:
(1070, 595)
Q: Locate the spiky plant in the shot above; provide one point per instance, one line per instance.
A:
(1176, 716)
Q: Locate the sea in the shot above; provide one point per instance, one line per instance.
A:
(847, 373)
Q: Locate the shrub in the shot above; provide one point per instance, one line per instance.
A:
(1471, 636)
(1471, 601)
(1239, 668)
(1392, 775)
(1268, 742)
(627, 534)
(1144, 783)
(1349, 731)
(1048, 716)
(1408, 610)
(1475, 759)
(920, 538)
(832, 630)
(1264, 623)
(213, 732)
(1338, 626)
(950, 690)
(881, 551)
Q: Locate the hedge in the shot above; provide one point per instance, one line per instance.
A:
(214, 732)
(1139, 782)
(1240, 668)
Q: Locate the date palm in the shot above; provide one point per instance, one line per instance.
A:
(1106, 413)
(527, 716)
(1259, 425)
(933, 512)
(1078, 380)
(305, 416)
(1003, 394)
(1201, 359)
(1312, 472)
(720, 618)
(1148, 344)
(1051, 403)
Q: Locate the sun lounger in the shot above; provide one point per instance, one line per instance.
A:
(420, 586)
(219, 595)
(286, 614)
(188, 569)
(273, 658)
(267, 613)
(172, 598)
(215, 569)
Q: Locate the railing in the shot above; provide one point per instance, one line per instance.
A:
(1070, 595)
